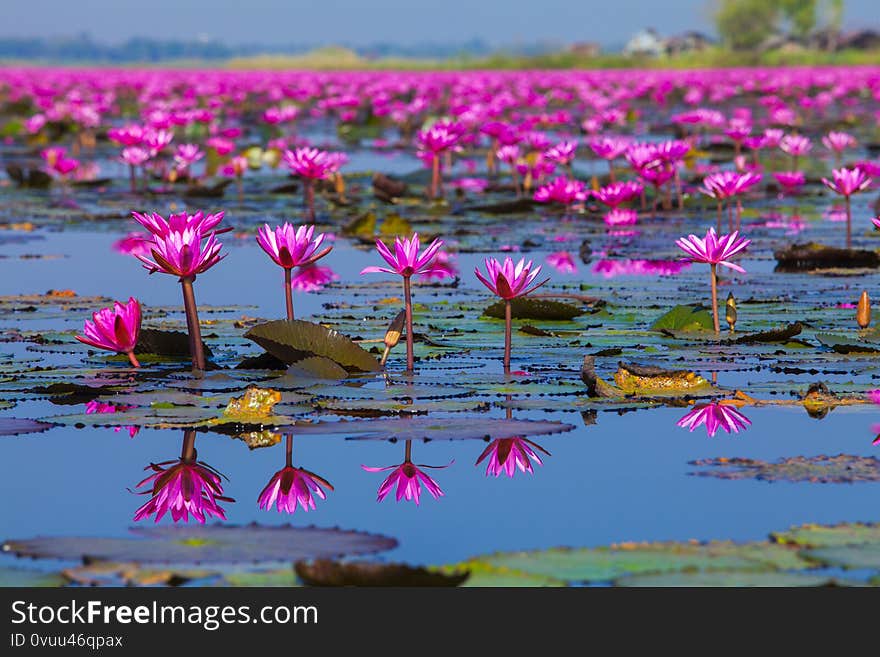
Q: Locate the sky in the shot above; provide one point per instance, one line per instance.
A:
(363, 22)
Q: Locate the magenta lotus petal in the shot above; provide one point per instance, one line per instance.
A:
(291, 246)
(507, 280)
(509, 454)
(290, 487)
(408, 478)
(221, 145)
(738, 129)
(874, 396)
(847, 182)
(182, 253)
(186, 488)
(406, 260)
(443, 267)
(156, 140)
(178, 223)
(876, 222)
(35, 123)
(114, 329)
(508, 154)
(715, 415)
(714, 250)
(235, 167)
(562, 261)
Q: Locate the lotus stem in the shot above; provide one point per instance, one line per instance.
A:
(192, 323)
(240, 184)
(188, 449)
(848, 223)
(714, 275)
(309, 192)
(131, 175)
(678, 191)
(288, 293)
(611, 171)
(435, 176)
(720, 210)
(407, 457)
(288, 450)
(407, 297)
(508, 316)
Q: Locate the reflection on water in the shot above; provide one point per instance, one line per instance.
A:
(508, 454)
(717, 415)
(189, 486)
(408, 478)
(291, 486)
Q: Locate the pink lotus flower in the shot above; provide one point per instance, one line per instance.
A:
(187, 155)
(610, 148)
(187, 487)
(440, 137)
(876, 222)
(561, 190)
(563, 153)
(406, 260)
(847, 181)
(562, 261)
(791, 181)
(221, 145)
(157, 140)
(309, 163)
(773, 137)
(115, 329)
(312, 278)
(616, 193)
(180, 222)
(796, 146)
(291, 486)
(715, 415)
(873, 395)
(182, 254)
(839, 141)
(292, 246)
(507, 280)
(134, 156)
(508, 154)
(444, 267)
(133, 243)
(629, 267)
(508, 454)
(408, 478)
(714, 250)
(236, 166)
(95, 406)
(35, 123)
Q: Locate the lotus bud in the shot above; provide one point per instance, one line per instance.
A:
(392, 335)
(730, 311)
(863, 313)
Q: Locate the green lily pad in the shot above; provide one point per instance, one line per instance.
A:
(528, 308)
(842, 345)
(685, 318)
(21, 577)
(206, 544)
(820, 536)
(843, 468)
(293, 341)
(608, 563)
(865, 556)
(733, 578)
(13, 426)
(280, 577)
(485, 575)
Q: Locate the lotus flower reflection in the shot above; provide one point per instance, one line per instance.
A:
(408, 479)
(716, 415)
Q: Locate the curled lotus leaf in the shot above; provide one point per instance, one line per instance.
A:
(206, 544)
(295, 340)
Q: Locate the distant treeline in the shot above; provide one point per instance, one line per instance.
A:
(83, 48)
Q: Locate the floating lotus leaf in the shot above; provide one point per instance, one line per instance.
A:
(608, 563)
(864, 556)
(485, 575)
(428, 428)
(840, 469)
(325, 572)
(842, 345)
(206, 544)
(648, 379)
(685, 318)
(166, 343)
(13, 426)
(106, 573)
(293, 341)
(776, 335)
(21, 577)
(528, 308)
(280, 577)
(732, 578)
(817, 536)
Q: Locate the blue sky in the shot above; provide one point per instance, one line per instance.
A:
(370, 21)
